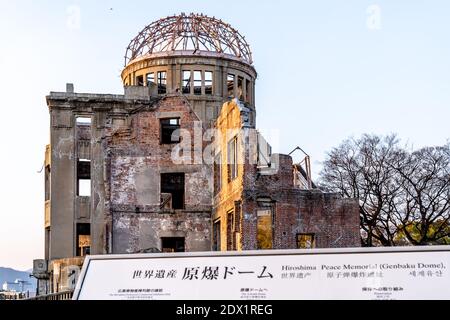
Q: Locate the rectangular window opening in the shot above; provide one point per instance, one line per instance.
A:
(216, 236)
(208, 82)
(84, 188)
(265, 229)
(84, 178)
(172, 189)
(83, 133)
(305, 241)
(150, 78)
(162, 82)
(83, 240)
(198, 82)
(140, 81)
(247, 90)
(240, 88)
(230, 85)
(172, 245)
(187, 82)
(232, 159)
(83, 121)
(170, 130)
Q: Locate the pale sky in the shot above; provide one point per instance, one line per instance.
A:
(327, 70)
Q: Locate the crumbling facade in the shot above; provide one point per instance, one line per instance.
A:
(259, 201)
(175, 163)
(152, 203)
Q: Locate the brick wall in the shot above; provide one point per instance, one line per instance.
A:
(135, 161)
(333, 220)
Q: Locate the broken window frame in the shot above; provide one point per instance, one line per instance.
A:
(162, 82)
(305, 240)
(150, 78)
(216, 244)
(264, 233)
(264, 150)
(266, 205)
(231, 78)
(198, 82)
(209, 83)
(84, 178)
(140, 81)
(176, 247)
(169, 132)
(83, 230)
(248, 89)
(83, 121)
(232, 159)
(187, 82)
(178, 192)
(240, 88)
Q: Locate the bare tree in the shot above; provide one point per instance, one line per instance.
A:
(359, 169)
(401, 195)
(422, 212)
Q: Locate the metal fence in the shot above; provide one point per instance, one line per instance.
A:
(66, 295)
(13, 296)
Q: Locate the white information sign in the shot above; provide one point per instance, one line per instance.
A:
(378, 273)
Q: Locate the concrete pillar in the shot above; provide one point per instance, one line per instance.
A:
(98, 236)
(224, 83)
(218, 81)
(63, 185)
(177, 76)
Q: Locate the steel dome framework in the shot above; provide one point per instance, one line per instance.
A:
(194, 32)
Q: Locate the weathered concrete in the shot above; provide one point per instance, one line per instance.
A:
(136, 160)
(133, 232)
(65, 273)
(69, 143)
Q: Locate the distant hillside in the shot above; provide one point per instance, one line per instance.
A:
(10, 275)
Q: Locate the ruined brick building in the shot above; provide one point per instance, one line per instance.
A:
(176, 163)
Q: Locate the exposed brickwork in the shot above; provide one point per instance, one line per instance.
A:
(334, 221)
(128, 159)
(135, 161)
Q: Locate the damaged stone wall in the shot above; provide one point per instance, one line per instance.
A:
(65, 273)
(68, 143)
(332, 220)
(229, 124)
(127, 160)
(139, 232)
(134, 163)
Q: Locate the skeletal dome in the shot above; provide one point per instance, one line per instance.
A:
(195, 33)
